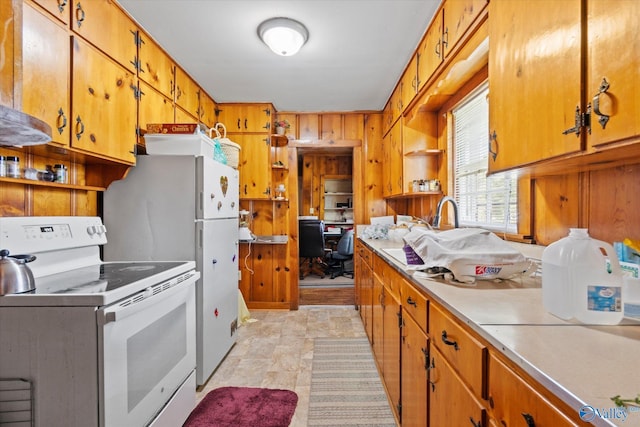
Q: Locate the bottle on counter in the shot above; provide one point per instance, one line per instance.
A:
(576, 282)
(3, 166)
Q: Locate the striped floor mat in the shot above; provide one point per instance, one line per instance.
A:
(345, 386)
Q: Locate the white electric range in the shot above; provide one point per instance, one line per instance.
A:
(96, 343)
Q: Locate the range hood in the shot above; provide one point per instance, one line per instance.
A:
(20, 129)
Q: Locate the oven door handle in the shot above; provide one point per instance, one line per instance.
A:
(122, 310)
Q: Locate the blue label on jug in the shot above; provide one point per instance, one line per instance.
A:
(604, 298)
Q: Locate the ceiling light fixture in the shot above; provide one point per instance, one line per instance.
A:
(284, 36)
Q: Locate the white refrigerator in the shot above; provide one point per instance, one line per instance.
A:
(183, 208)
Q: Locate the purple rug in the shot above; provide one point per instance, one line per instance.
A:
(244, 407)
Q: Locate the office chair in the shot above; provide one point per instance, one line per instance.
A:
(311, 246)
(344, 252)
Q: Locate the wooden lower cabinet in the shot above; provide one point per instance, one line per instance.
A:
(451, 403)
(414, 364)
(391, 349)
(513, 402)
(364, 287)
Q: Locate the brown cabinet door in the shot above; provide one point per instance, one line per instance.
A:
(187, 93)
(58, 8)
(534, 80)
(103, 105)
(458, 16)
(106, 26)
(415, 360)
(231, 115)
(254, 167)
(613, 58)
(391, 348)
(257, 118)
(45, 73)
(450, 402)
(207, 110)
(156, 67)
(514, 402)
(153, 107)
(430, 50)
(409, 83)
(378, 319)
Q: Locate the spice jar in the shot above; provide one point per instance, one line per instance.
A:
(3, 166)
(13, 166)
(60, 171)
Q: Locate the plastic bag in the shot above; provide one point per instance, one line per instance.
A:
(218, 153)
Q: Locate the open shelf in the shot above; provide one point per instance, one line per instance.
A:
(51, 184)
(422, 153)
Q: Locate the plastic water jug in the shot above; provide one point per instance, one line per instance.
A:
(577, 283)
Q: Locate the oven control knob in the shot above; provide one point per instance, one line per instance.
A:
(91, 230)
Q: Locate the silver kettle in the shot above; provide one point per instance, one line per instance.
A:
(15, 276)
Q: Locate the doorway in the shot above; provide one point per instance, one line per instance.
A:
(319, 168)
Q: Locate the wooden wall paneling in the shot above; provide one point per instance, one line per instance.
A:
(86, 203)
(556, 207)
(353, 127)
(371, 201)
(614, 206)
(51, 201)
(331, 127)
(292, 219)
(262, 280)
(305, 199)
(308, 125)
(12, 199)
(281, 271)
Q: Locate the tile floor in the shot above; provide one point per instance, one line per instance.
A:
(276, 350)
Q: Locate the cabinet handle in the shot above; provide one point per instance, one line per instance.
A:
(493, 138)
(411, 302)
(61, 5)
(61, 121)
(438, 48)
(80, 15)
(529, 419)
(79, 128)
(425, 353)
(430, 368)
(245, 123)
(239, 127)
(474, 423)
(448, 342)
(604, 86)
(445, 38)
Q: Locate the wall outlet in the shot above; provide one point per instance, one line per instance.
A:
(311, 211)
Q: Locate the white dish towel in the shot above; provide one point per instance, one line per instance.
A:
(468, 253)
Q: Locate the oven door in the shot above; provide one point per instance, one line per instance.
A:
(147, 351)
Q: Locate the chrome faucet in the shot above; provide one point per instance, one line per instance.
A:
(436, 219)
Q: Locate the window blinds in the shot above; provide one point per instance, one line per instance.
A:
(483, 201)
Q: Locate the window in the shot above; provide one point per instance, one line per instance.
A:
(483, 201)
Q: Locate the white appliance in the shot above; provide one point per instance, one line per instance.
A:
(99, 343)
(184, 207)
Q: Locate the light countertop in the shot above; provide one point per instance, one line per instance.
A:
(581, 364)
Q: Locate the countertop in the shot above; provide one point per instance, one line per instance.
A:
(581, 364)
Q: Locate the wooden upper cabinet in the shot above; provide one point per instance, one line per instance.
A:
(45, 72)
(409, 83)
(396, 103)
(103, 105)
(153, 107)
(613, 59)
(430, 50)
(392, 177)
(458, 17)
(207, 109)
(246, 118)
(106, 26)
(155, 66)
(534, 80)
(187, 93)
(254, 166)
(58, 8)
